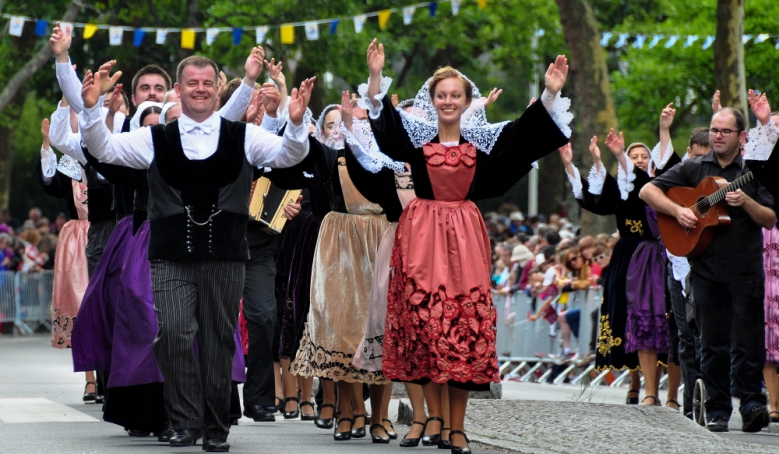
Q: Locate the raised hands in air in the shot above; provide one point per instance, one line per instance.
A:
(299, 101)
(60, 43)
(556, 75)
(254, 63)
(760, 107)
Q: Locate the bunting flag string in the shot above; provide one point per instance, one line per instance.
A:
(311, 28)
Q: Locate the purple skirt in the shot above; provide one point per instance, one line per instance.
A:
(93, 336)
(647, 328)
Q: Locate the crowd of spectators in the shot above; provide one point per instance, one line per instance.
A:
(28, 246)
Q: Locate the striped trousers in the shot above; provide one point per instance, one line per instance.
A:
(197, 299)
(97, 239)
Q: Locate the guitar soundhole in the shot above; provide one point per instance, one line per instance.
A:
(703, 207)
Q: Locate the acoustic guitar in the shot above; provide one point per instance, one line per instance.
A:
(707, 201)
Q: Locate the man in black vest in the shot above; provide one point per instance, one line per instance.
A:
(726, 280)
(200, 170)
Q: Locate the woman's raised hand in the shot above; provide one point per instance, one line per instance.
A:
(594, 150)
(375, 57)
(615, 143)
(556, 75)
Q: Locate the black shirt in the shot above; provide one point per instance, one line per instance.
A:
(736, 253)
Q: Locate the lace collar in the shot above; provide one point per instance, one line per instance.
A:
(69, 167)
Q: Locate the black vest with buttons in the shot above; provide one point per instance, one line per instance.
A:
(198, 209)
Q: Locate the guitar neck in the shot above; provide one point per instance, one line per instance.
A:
(719, 195)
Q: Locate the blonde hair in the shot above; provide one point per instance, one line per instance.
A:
(448, 72)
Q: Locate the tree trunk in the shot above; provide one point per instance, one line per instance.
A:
(14, 93)
(729, 71)
(595, 110)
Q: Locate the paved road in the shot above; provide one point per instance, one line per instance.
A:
(41, 412)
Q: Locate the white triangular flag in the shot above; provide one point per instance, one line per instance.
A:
(408, 14)
(261, 32)
(115, 36)
(359, 22)
(16, 27)
(456, 7)
(761, 37)
(312, 31)
(211, 35)
(67, 27)
(162, 33)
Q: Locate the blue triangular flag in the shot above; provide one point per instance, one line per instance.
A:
(237, 35)
(432, 7)
(138, 37)
(623, 39)
(655, 40)
(708, 43)
(333, 26)
(639, 42)
(671, 41)
(605, 40)
(40, 27)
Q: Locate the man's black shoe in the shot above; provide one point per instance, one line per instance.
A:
(754, 419)
(719, 424)
(138, 433)
(167, 432)
(214, 445)
(259, 414)
(185, 437)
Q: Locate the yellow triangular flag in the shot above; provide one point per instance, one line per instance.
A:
(482, 3)
(287, 34)
(384, 16)
(89, 30)
(187, 38)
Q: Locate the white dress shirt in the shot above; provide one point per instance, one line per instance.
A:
(63, 138)
(199, 141)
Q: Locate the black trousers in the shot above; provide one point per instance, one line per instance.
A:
(259, 309)
(688, 356)
(97, 238)
(197, 300)
(730, 315)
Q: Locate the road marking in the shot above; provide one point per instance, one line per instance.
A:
(39, 409)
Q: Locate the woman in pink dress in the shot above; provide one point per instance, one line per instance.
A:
(440, 322)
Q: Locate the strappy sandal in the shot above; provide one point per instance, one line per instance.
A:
(90, 398)
(413, 442)
(656, 402)
(673, 402)
(632, 400)
(392, 434)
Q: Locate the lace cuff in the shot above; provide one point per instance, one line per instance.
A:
(576, 182)
(558, 108)
(595, 179)
(366, 150)
(70, 167)
(364, 100)
(625, 179)
(48, 163)
(659, 158)
(761, 141)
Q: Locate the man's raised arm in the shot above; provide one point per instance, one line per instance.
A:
(133, 149)
(236, 106)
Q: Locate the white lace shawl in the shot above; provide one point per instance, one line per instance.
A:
(366, 150)
(69, 167)
(761, 141)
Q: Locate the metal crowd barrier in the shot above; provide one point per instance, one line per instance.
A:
(531, 351)
(25, 299)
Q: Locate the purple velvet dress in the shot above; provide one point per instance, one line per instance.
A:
(647, 328)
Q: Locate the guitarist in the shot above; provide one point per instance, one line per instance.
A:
(726, 280)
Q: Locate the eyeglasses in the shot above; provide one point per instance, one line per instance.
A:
(599, 258)
(725, 132)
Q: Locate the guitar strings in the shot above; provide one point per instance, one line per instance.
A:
(719, 195)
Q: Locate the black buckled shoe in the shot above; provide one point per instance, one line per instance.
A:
(89, 398)
(294, 413)
(307, 416)
(214, 445)
(391, 431)
(185, 437)
(259, 414)
(167, 432)
(432, 440)
(460, 449)
(383, 439)
(360, 432)
(445, 443)
(325, 423)
(412, 442)
(632, 400)
(343, 436)
(718, 424)
(755, 419)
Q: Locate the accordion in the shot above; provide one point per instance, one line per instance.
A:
(267, 204)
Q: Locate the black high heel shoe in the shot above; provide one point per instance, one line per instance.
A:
(294, 413)
(325, 423)
(432, 440)
(458, 449)
(632, 400)
(343, 436)
(90, 398)
(445, 444)
(378, 438)
(412, 442)
(307, 416)
(392, 434)
(359, 433)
